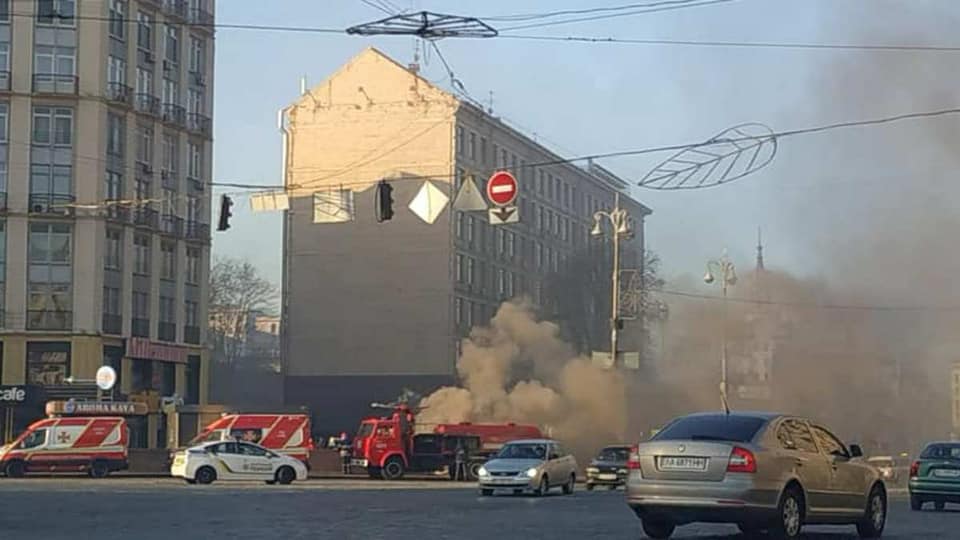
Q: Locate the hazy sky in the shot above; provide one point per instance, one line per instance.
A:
(823, 198)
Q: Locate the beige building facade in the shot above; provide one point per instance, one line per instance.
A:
(372, 309)
(106, 119)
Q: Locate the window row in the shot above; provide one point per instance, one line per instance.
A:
(503, 282)
(142, 257)
(168, 315)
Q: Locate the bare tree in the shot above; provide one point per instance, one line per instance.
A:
(236, 289)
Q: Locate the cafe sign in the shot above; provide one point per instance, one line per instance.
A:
(17, 394)
(94, 408)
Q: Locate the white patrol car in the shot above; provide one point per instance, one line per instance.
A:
(235, 460)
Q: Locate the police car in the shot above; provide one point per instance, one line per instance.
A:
(235, 460)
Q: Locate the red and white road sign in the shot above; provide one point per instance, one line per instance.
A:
(502, 188)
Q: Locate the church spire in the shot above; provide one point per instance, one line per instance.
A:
(759, 250)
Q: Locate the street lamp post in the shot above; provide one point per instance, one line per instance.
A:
(620, 222)
(724, 268)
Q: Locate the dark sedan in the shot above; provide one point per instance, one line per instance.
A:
(609, 468)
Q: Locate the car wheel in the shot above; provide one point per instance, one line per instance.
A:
(657, 528)
(393, 469)
(916, 503)
(570, 485)
(99, 469)
(486, 492)
(789, 515)
(473, 471)
(14, 469)
(875, 516)
(286, 475)
(590, 487)
(205, 475)
(544, 487)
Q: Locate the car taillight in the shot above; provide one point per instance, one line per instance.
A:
(914, 469)
(633, 462)
(742, 461)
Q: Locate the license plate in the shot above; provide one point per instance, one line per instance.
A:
(676, 463)
(358, 462)
(947, 473)
(607, 477)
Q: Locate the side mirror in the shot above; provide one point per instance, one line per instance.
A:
(856, 451)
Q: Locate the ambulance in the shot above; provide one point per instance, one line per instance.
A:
(95, 445)
(287, 434)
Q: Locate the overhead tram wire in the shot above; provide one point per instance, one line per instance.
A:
(521, 17)
(685, 5)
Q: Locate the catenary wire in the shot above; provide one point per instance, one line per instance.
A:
(519, 17)
(685, 5)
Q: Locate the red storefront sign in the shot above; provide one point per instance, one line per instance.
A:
(145, 349)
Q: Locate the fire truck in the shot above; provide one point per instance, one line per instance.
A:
(389, 447)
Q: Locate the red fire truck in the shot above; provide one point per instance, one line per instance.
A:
(388, 447)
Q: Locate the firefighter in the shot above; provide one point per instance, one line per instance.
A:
(344, 446)
(460, 461)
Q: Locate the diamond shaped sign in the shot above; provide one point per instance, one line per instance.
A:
(429, 203)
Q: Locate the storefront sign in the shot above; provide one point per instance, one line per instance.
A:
(18, 394)
(145, 349)
(119, 408)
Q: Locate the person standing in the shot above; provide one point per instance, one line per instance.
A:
(344, 446)
(460, 461)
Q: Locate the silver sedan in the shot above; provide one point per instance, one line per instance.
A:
(762, 471)
(529, 465)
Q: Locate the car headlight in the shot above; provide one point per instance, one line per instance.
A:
(531, 472)
(593, 470)
(482, 471)
(621, 471)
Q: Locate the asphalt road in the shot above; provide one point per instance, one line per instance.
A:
(122, 508)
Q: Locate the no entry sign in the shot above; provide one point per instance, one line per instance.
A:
(502, 188)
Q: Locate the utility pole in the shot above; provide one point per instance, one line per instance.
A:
(620, 221)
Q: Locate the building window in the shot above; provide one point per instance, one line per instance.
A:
(458, 310)
(192, 393)
(113, 256)
(116, 134)
(193, 265)
(48, 363)
(501, 282)
(111, 311)
(3, 273)
(168, 260)
(118, 18)
(483, 151)
(145, 144)
(501, 242)
(171, 155)
(195, 101)
(511, 244)
(538, 255)
(171, 49)
(460, 137)
(473, 146)
(197, 54)
(194, 208)
(167, 329)
(141, 372)
(56, 12)
(144, 81)
(191, 312)
(471, 265)
(195, 167)
(53, 125)
(141, 255)
(458, 268)
(144, 31)
(5, 10)
(141, 314)
(116, 70)
(171, 92)
(4, 127)
(459, 223)
(50, 277)
(54, 61)
(470, 227)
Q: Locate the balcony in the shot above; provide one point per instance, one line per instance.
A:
(199, 123)
(191, 334)
(171, 225)
(117, 212)
(169, 179)
(140, 327)
(112, 324)
(146, 217)
(4, 81)
(174, 114)
(201, 17)
(147, 104)
(51, 203)
(120, 93)
(167, 331)
(176, 8)
(49, 320)
(55, 83)
(198, 231)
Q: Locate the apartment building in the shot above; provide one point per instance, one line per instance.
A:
(372, 309)
(105, 164)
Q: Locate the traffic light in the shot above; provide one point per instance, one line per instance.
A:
(383, 201)
(225, 214)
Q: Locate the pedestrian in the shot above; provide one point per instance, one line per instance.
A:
(344, 455)
(460, 461)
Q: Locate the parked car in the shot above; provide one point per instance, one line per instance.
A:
(887, 467)
(935, 476)
(535, 465)
(234, 460)
(609, 468)
(761, 471)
